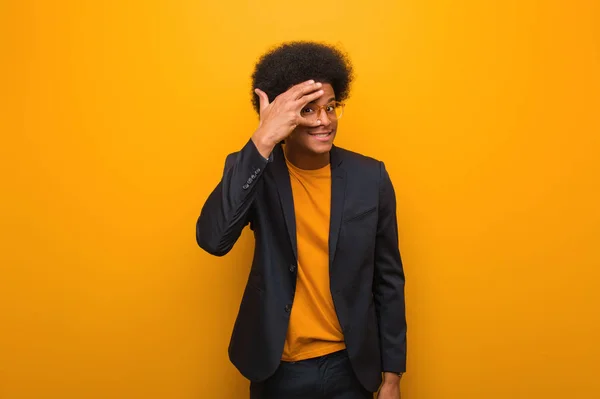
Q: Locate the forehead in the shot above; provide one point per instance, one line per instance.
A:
(328, 90)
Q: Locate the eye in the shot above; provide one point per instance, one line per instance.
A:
(330, 108)
(307, 110)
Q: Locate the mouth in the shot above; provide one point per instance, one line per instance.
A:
(322, 136)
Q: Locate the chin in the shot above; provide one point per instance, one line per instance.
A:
(319, 148)
(322, 149)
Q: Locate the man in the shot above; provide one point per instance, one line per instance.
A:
(322, 315)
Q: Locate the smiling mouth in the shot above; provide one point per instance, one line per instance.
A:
(326, 134)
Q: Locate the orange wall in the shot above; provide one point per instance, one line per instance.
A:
(115, 125)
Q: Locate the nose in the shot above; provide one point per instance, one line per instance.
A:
(325, 121)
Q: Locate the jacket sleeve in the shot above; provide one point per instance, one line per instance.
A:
(388, 282)
(228, 208)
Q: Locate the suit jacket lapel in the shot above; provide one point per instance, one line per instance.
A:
(284, 188)
(338, 194)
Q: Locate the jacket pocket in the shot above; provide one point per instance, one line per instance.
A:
(359, 215)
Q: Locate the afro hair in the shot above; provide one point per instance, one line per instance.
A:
(294, 62)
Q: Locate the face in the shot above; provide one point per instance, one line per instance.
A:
(319, 139)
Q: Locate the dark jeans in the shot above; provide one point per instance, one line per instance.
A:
(326, 377)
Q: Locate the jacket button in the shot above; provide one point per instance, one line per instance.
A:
(249, 180)
(288, 308)
(292, 268)
(245, 186)
(257, 171)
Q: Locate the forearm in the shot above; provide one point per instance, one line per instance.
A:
(226, 210)
(392, 328)
(391, 378)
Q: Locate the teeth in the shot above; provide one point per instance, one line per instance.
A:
(322, 135)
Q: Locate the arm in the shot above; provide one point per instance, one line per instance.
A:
(388, 284)
(228, 208)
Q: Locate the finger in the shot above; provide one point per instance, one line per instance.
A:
(303, 90)
(297, 91)
(294, 88)
(310, 97)
(301, 85)
(262, 98)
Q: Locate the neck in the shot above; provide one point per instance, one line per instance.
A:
(305, 160)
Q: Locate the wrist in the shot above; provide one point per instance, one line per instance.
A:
(263, 144)
(391, 378)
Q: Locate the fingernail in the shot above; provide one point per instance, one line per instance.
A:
(311, 81)
(319, 84)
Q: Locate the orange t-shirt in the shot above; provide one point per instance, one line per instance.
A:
(314, 329)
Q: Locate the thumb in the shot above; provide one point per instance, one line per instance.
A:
(262, 98)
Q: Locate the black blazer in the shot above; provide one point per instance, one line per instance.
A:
(367, 279)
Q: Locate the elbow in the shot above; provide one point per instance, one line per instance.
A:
(212, 249)
(211, 242)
